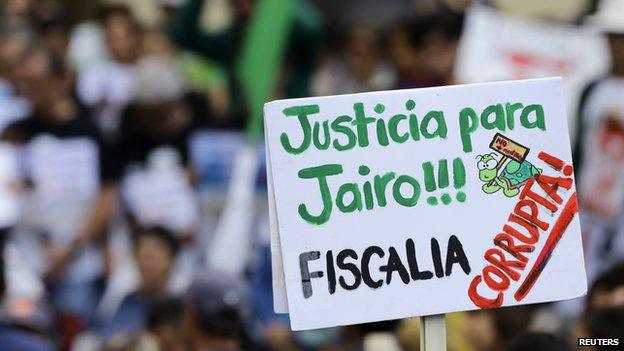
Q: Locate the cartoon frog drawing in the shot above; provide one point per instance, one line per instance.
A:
(511, 179)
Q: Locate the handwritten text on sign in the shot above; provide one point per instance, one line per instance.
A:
(395, 201)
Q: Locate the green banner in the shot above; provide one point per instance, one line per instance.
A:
(261, 57)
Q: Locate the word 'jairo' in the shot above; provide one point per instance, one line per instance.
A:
(350, 269)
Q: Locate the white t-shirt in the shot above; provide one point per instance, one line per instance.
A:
(602, 176)
(12, 107)
(108, 87)
(65, 176)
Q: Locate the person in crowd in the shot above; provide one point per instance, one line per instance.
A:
(63, 163)
(224, 48)
(599, 151)
(536, 341)
(606, 324)
(112, 138)
(155, 178)
(13, 338)
(17, 12)
(54, 33)
(155, 250)
(272, 328)
(424, 48)
(446, 32)
(199, 74)
(132, 342)
(409, 48)
(13, 45)
(604, 304)
(164, 322)
(493, 329)
(607, 290)
(361, 69)
(152, 178)
(108, 87)
(215, 313)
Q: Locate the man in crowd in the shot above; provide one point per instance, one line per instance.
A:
(151, 177)
(61, 158)
(492, 329)
(17, 339)
(215, 309)
(362, 69)
(108, 87)
(164, 322)
(155, 251)
(603, 316)
(600, 151)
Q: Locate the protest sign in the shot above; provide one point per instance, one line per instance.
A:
(498, 46)
(416, 202)
(63, 169)
(159, 193)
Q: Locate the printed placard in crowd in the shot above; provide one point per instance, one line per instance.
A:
(498, 46)
(407, 203)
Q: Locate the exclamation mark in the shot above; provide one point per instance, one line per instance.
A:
(443, 180)
(559, 166)
(430, 184)
(555, 163)
(459, 178)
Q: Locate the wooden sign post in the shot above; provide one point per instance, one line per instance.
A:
(433, 333)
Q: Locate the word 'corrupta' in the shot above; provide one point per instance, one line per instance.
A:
(350, 269)
(347, 131)
(520, 236)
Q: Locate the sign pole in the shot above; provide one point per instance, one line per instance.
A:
(433, 333)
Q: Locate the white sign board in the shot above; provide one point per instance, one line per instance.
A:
(406, 203)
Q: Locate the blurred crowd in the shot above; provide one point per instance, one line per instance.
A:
(107, 218)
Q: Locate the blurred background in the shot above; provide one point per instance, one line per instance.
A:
(133, 201)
